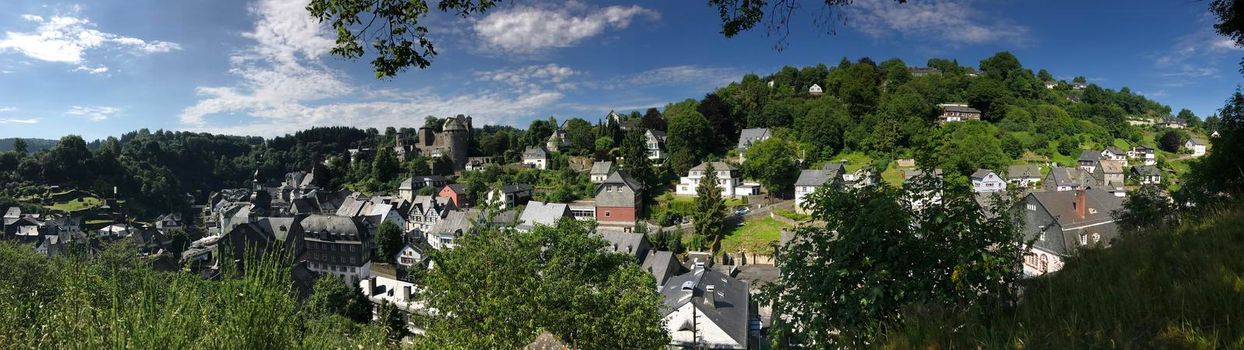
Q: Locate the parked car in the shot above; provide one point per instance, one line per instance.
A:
(741, 210)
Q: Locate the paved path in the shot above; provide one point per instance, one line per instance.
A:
(756, 212)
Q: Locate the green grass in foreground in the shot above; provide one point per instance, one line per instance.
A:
(754, 236)
(1182, 288)
(76, 204)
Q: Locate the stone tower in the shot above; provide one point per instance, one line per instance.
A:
(457, 131)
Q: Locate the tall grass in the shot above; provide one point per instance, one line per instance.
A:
(112, 300)
(1179, 288)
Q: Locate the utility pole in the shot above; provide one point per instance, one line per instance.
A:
(695, 320)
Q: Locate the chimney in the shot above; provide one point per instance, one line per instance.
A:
(710, 298)
(405, 293)
(370, 287)
(1079, 205)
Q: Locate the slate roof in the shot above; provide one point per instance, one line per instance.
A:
(601, 168)
(813, 177)
(1068, 176)
(1090, 156)
(1023, 171)
(1114, 150)
(749, 136)
(624, 242)
(535, 153)
(341, 227)
(658, 263)
(455, 222)
(1111, 166)
(279, 228)
(718, 166)
(457, 188)
(981, 174)
(620, 177)
(539, 213)
(1146, 170)
(730, 307)
(658, 134)
(1060, 205)
(1194, 142)
(962, 109)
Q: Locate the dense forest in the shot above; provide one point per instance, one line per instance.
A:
(882, 111)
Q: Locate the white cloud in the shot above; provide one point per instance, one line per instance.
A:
(4, 109)
(18, 121)
(685, 75)
(531, 29)
(93, 113)
(284, 86)
(955, 21)
(68, 39)
(533, 78)
(1193, 55)
(93, 70)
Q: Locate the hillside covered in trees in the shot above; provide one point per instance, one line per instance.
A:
(873, 111)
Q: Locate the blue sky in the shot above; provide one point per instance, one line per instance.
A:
(261, 67)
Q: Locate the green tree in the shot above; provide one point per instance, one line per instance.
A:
(498, 289)
(1145, 209)
(1219, 176)
(1171, 141)
(581, 135)
(990, 96)
(389, 241)
(967, 146)
(1000, 66)
(773, 163)
(710, 209)
(715, 110)
(688, 129)
(635, 158)
(385, 167)
(876, 256)
(392, 321)
(329, 296)
(653, 120)
(20, 146)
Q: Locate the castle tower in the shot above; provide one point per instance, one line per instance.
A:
(458, 131)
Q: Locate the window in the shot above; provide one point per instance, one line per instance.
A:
(607, 213)
(1045, 264)
(1083, 238)
(1032, 207)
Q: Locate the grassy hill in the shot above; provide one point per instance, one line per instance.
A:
(1178, 289)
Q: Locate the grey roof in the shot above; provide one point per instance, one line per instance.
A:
(729, 310)
(659, 263)
(658, 134)
(515, 188)
(341, 227)
(718, 166)
(1110, 166)
(455, 222)
(352, 206)
(1114, 150)
(535, 152)
(749, 136)
(813, 177)
(1146, 170)
(1023, 171)
(1072, 176)
(835, 169)
(539, 213)
(1090, 156)
(457, 188)
(601, 168)
(1194, 142)
(620, 177)
(964, 109)
(980, 174)
(624, 242)
(279, 228)
(1060, 205)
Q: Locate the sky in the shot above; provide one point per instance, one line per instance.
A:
(262, 67)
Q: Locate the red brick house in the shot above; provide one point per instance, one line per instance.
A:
(618, 199)
(458, 194)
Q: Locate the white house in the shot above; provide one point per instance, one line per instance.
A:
(815, 90)
(412, 254)
(1023, 176)
(707, 309)
(811, 179)
(1147, 175)
(536, 157)
(1112, 153)
(600, 171)
(1198, 148)
(1143, 155)
(986, 181)
(655, 141)
(727, 179)
(401, 294)
(748, 137)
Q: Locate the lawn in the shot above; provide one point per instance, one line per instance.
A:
(754, 236)
(893, 175)
(76, 204)
(685, 201)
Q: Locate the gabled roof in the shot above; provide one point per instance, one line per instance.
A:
(601, 168)
(658, 263)
(457, 188)
(658, 134)
(717, 166)
(1068, 176)
(455, 222)
(1110, 166)
(1090, 156)
(535, 152)
(1100, 204)
(749, 136)
(729, 309)
(1146, 170)
(1194, 142)
(1113, 150)
(621, 178)
(540, 213)
(813, 177)
(1023, 171)
(960, 108)
(981, 174)
(624, 242)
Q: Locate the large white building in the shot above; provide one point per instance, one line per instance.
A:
(707, 310)
(727, 180)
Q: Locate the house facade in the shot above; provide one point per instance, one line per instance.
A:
(337, 246)
(457, 194)
(412, 184)
(509, 196)
(1143, 155)
(1066, 179)
(1112, 153)
(808, 181)
(1061, 223)
(654, 140)
(956, 112)
(986, 181)
(600, 171)
(1197, 147)
(536, 157)
(1024, 176)
(1146, 175)
(618, 199)
(727, 179)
